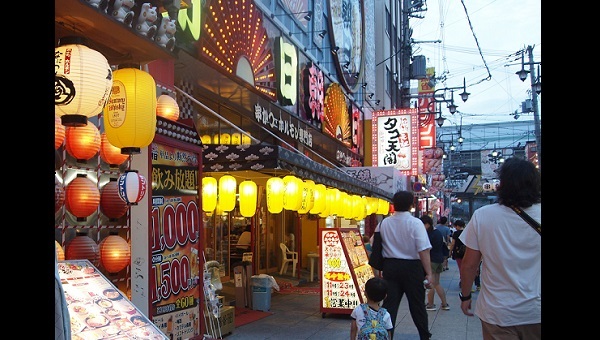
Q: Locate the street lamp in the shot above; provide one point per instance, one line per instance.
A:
(536, 87)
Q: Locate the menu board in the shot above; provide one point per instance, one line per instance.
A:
(98, 310)
(345, 270)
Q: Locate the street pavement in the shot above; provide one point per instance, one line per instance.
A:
(298, 316)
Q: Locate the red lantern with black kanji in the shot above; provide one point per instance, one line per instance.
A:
(82, 247)
(110, 153)
(115, 253)
(82, 197)
(111, 203)
(82, 142)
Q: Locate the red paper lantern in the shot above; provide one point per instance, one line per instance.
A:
(111, 203)
(59, 132)
(132, 187)
(115, 253)
(59, 195)
(82, 142)
(82, 247)
(110, 153)
(82, 197)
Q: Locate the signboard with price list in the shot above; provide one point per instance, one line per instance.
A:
(98, 310)
(344, 270)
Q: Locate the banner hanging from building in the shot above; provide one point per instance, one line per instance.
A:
(396, 139)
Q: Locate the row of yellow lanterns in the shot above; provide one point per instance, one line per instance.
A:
(290, 193)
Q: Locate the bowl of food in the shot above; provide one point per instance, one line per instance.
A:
(96, 321)
(112, 294)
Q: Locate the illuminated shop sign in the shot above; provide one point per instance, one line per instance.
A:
(395, 139)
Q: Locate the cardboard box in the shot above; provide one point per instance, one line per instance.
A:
(226, 321)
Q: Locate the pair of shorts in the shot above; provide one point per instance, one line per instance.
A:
(437, 267)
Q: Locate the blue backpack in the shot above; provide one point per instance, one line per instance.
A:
(373, 328)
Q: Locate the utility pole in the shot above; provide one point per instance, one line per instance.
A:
(405, 56)
(534, 105)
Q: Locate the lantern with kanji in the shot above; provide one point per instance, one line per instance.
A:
(115, 253)
(130, 114)
(82, 81)
(82, 197)
(132, 187)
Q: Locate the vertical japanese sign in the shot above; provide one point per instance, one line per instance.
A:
(395, 139)
(426, 107)
(175, 283)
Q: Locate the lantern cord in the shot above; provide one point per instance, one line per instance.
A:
(262, 127)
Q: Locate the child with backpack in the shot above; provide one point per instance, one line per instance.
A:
(370, 320)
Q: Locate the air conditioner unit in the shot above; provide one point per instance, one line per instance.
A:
(526, 106)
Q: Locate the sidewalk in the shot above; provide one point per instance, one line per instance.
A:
(299, 317)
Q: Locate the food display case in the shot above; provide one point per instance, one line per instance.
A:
(344, 270)
(98, 310)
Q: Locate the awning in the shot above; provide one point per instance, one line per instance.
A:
(275, 160)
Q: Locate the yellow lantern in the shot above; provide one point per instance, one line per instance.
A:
(167, 107)
(130, 115)
(292, 193)
(209, 193)
(227, 188)
(308, 197)
(372, 205)
(329, 202)
(82, 81)
(225, 139)
(246, 140)
(336, 206)
(383, 207)
(319, 198)
(206, 139)
(248, 192)
(275, 187)
(346, 208)
(236, 138)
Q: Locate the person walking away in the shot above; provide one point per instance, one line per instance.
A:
(369, 318)
(437, 258)
(509, 304)
(442, 226)
(457, 247)
(407, 265)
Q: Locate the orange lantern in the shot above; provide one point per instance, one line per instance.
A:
(209, 193)
(82, 247)
(130, 114)
(167, 107)
(227, 188)
(59, 132)
(248, 191)
(60, 253)
(82, 81)
(275, 188)
(82, 142)
(115, 253)
(82, 197)
(111, 203)
(110, 153)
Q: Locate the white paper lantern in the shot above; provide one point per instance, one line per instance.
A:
(132, 187)
(82, 81)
